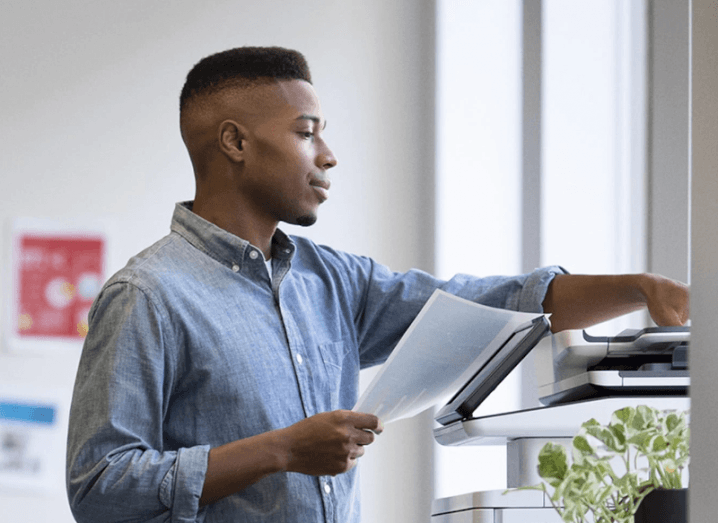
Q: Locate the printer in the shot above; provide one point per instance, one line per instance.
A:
(572, 365)
(579, 376)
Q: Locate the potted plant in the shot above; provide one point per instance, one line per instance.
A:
(647, 447)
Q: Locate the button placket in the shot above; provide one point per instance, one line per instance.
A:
(301, 368)
(326, 487)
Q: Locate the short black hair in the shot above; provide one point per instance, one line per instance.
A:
(243, 66)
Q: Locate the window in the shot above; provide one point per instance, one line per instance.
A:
(592, 216)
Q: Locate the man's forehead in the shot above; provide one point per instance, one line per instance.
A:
(255, 103)
(273, 98)
(297, 99)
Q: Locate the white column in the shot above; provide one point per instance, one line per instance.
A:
(668, 129)
(704, 260)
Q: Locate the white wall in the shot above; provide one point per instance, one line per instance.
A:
(88, 121)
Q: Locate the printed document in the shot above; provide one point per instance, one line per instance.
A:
(447, 343)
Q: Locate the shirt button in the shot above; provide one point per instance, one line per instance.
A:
(299, 359)
(235, 267)
(254, 255)
(327, 488)
(287, 251)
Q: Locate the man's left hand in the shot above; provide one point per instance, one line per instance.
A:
(667, 300)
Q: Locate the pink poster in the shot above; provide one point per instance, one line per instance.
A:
(57, 279)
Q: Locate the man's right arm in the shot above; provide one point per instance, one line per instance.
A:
(118, 468)
(328, 443)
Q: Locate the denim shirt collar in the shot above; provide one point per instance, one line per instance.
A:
(223, 246)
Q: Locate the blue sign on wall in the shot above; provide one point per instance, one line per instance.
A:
(44, 414)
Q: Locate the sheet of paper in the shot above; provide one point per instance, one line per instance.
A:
(446, 344)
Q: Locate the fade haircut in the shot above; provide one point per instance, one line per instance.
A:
(242, 67)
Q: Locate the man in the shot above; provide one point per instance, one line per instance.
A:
(221, 363)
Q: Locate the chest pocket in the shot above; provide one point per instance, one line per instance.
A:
(340, 375)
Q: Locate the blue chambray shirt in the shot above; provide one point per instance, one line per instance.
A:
(192, 346)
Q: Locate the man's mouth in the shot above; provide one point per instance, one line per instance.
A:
(321, 187)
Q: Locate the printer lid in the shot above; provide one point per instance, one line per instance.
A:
(463, 404)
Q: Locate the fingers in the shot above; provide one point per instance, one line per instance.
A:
(363, 420)
(363, 427)
(668, 301)
(358, 452)
(364, 437)
(330, 443)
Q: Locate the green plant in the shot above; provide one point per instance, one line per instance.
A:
(652, 451)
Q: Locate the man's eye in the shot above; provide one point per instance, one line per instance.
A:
(308, 135)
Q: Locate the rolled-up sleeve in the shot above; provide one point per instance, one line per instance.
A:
(118, 465)
(392, 300)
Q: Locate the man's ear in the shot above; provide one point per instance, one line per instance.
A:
(231, 138)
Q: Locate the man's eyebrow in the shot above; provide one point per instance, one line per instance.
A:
(313, 118)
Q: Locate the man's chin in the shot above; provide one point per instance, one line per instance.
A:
(306, 220)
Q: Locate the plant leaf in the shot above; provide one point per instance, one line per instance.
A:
(581, 443)
(553, 462)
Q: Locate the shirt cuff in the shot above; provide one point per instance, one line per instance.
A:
(182, 486)
(535, 288)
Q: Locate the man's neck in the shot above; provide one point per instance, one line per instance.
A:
(234, 219)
